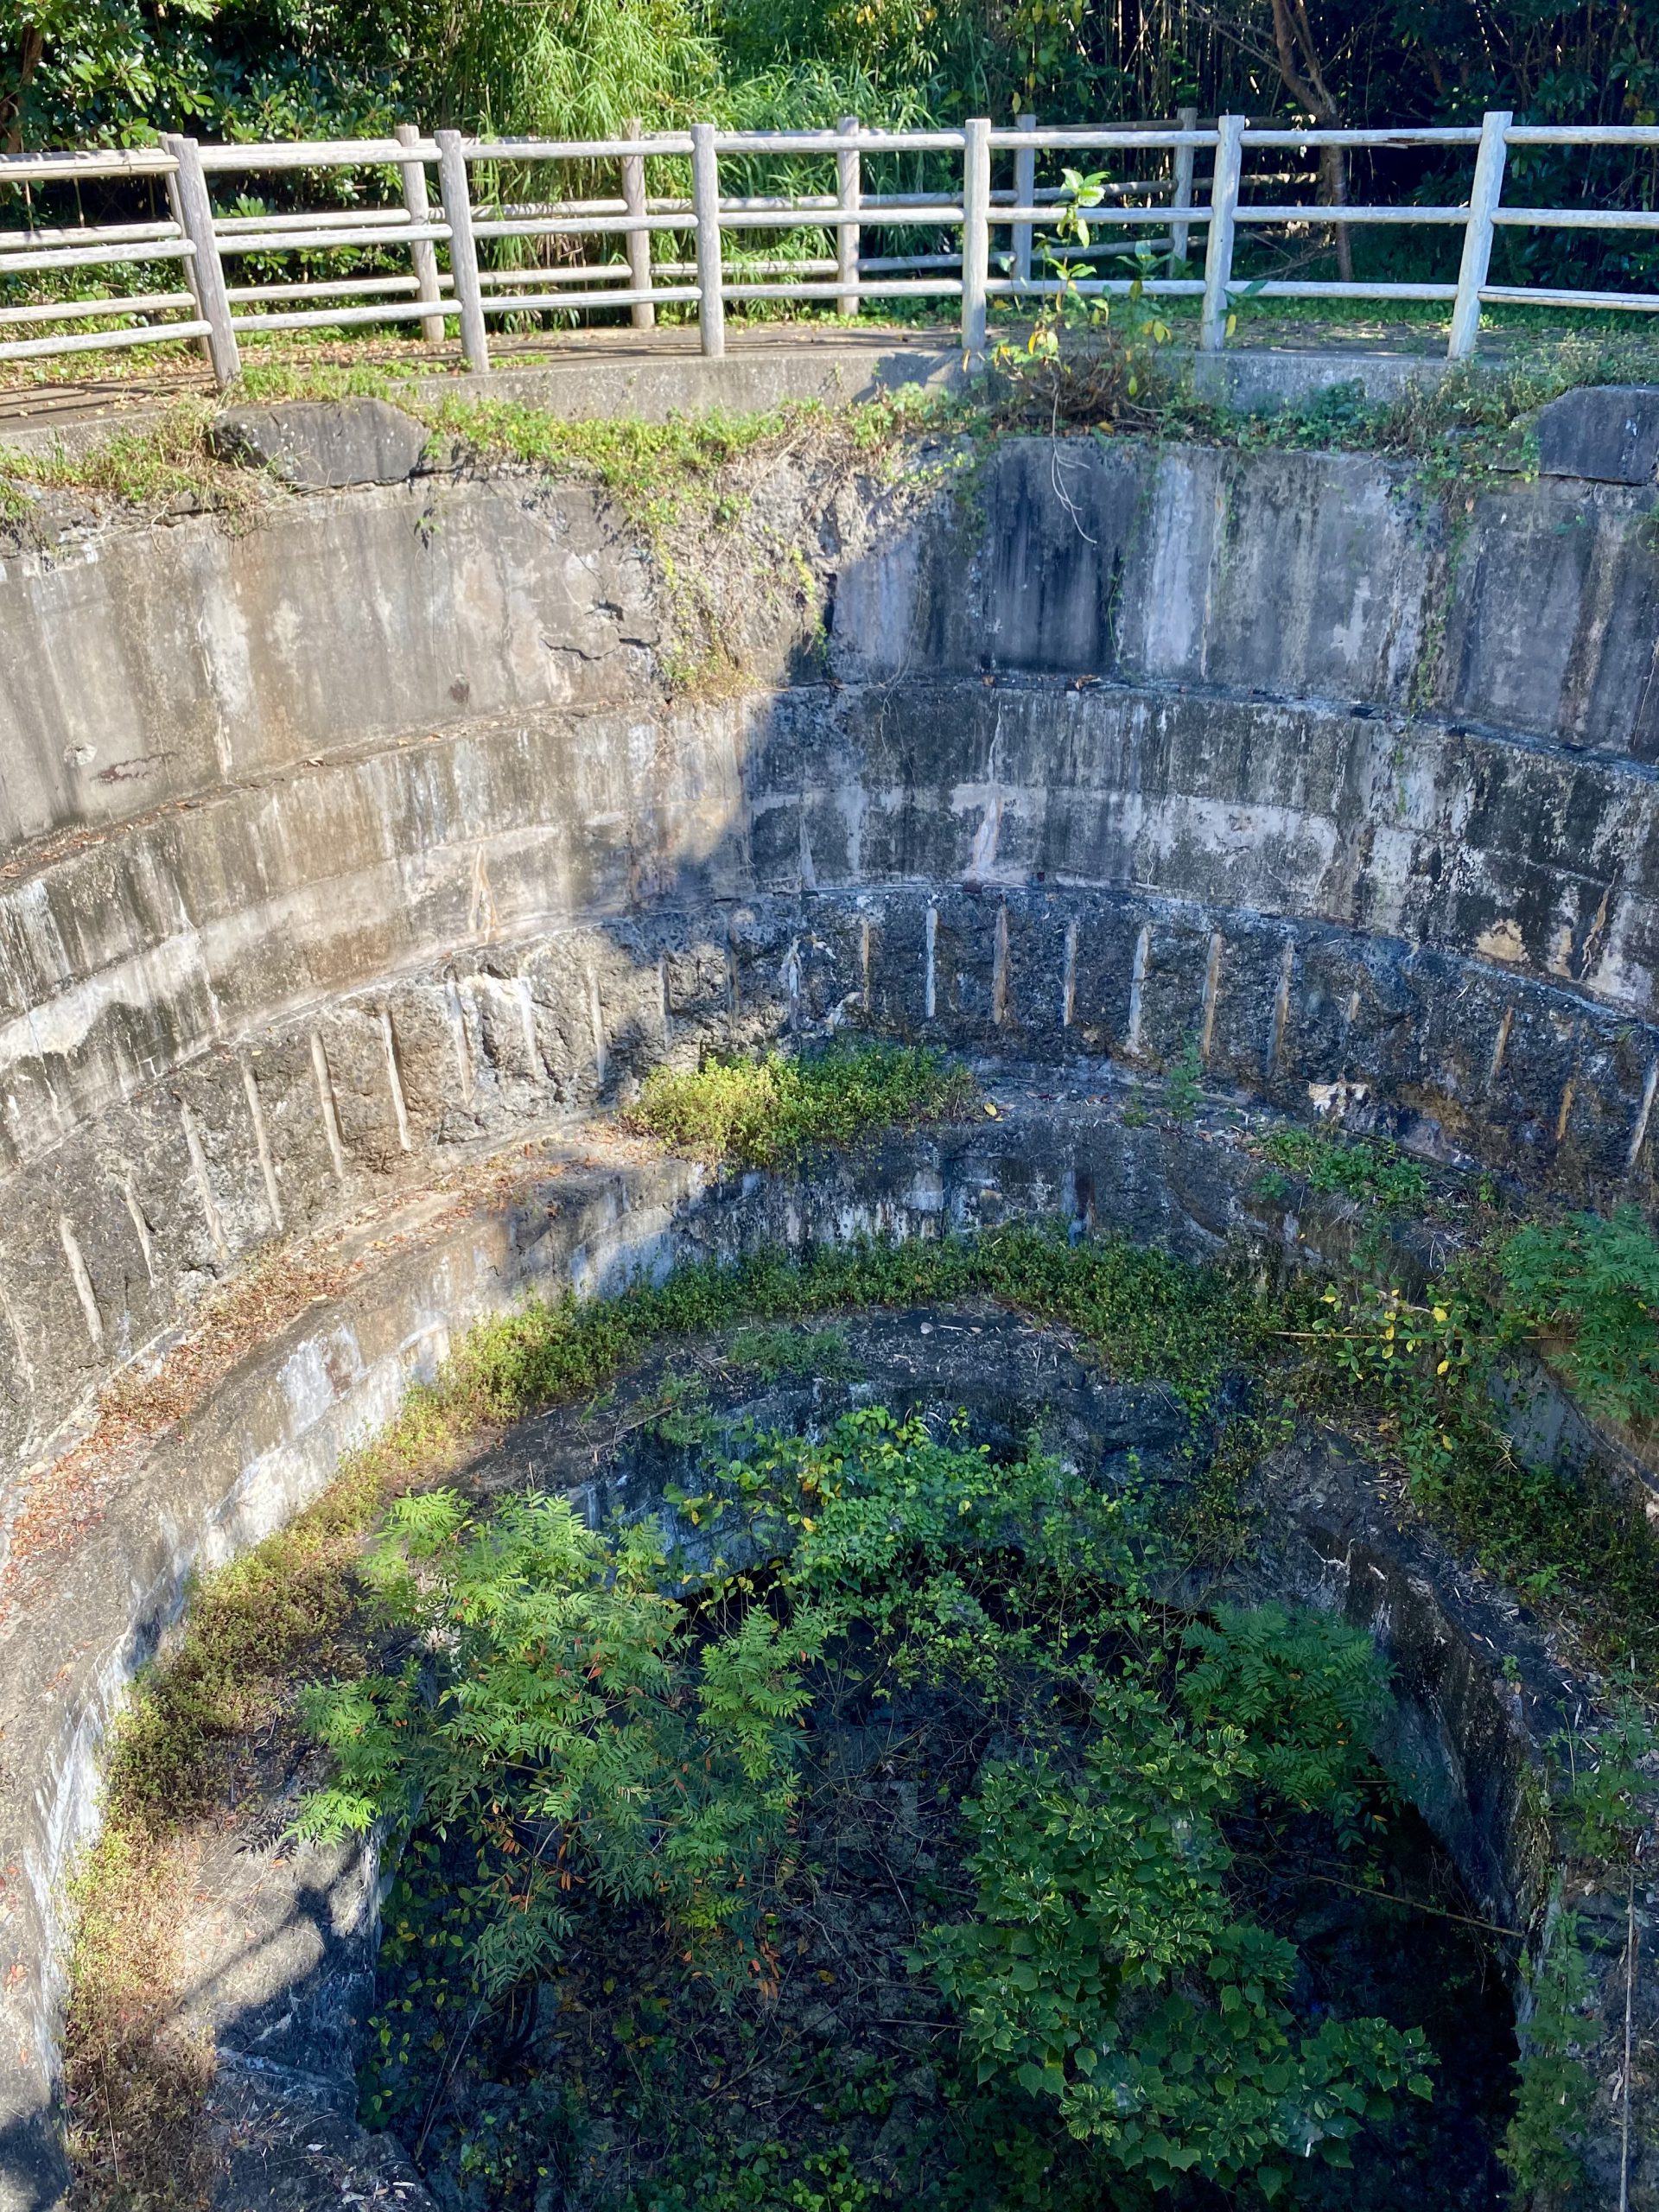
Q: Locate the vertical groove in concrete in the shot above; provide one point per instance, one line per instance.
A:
(1137, 987)
(1565, 1113)
(1500, 1045)
(1211, 993)
(455, 1014)
(596, 1020)
(262, 1142)
(82, 1280)
(395, 1081)
(1639, 1135)
(26, 1366)
(204, 1182)
(140, 1227)
(1281, 1010)
(526, 1006)
(326, 1104)
(1069, 977)
(930, 977)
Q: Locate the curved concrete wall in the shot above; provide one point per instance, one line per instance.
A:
(337, 848)
(365, 830)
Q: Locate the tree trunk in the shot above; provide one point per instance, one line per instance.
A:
(1304, 79)
(1333, 185)
(11, 104)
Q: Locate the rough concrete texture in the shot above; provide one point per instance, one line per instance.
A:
(1262, 380)
(318, 447)
(288, 2141)
(1608, 433)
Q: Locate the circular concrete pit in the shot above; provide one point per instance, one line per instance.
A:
(357, 862)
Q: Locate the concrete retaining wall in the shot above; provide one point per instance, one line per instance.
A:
(343, 840)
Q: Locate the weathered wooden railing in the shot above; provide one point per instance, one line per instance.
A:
(991, 237)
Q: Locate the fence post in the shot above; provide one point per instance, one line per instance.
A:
(1025, 186)
(174, 208)
(1218, 247)
(463, 251)
(705, 207)
(849, 188)
(1484, 196)
(422, 253)
(196, 214)
(642, 314)
(976, 236)
(1186, 118)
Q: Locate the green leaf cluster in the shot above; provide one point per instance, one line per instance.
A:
(1592, 1286)
(1106, 1963)
(1367, 1169)
(560, 1716)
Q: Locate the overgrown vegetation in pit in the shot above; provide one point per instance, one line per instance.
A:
(631, 1767)
(770, 1112)
(1408, 1375)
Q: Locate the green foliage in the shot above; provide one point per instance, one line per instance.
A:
(769, 1112)
(1591, 1286)
(1366, 1168)
(1603, 1797)
(1183, 1086)
(576, 1734)
(1147, 1315)
(1554, 2086)
(1087, 361)
(1106, 1967)
(166, 464)
(658, 472)
(1424, 1371)
(1304, 1693)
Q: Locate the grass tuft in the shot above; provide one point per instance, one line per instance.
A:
(770, 1112)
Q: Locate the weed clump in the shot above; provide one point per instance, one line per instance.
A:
(1366, 1168)
(770, 1112)
(1589, 1287)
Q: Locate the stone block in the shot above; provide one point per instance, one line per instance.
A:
(1606, 433)
(319, 446)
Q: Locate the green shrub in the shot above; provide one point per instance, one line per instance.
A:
(577, 1734)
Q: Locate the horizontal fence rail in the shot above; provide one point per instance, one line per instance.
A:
(443, 231)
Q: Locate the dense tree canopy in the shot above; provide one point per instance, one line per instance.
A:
(116, 70)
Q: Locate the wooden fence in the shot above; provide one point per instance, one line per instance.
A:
(463, 252)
